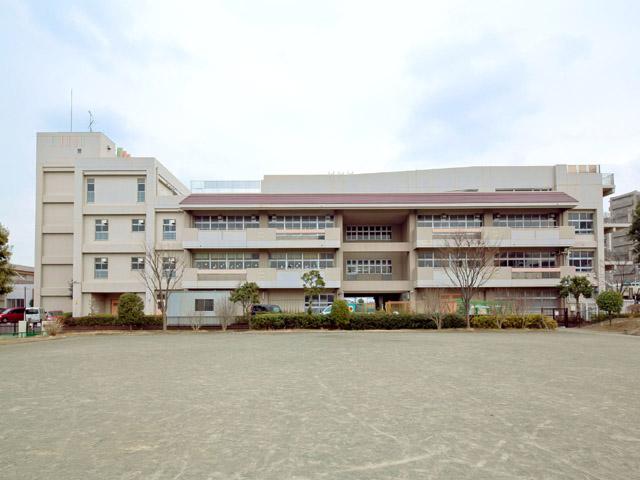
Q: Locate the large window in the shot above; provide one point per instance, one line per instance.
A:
(368, 232)
(137, 263)
(301, 260)
(582, 260)
(433, 259)
(369, 266)
(226, 260)
(525, 220)
(141, 189)
(450, 221)
(101, 267)
(137, 225)
(91, 190)
(582, 222)
(169, 229)
(102, 229)
(526, 259)
(204, 305)
(169, 265)
(225, 222)
(320, 302)
(301, 222)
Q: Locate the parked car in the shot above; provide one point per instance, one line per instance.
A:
(54, 315)
(12, 315)
(265, 308)
(34, 315)
(2, 309)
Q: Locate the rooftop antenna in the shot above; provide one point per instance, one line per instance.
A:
(71, 112)
(91, 121)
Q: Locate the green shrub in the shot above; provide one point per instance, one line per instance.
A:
(484, 321)
(276, 321)
(340, 314)
(610, 301)
(108, 320)
(130, 310)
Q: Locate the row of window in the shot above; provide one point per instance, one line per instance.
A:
(317, 303)
(526, 220)
(137, 225)
(301, 222)
(91, 190)
(368, 232)
(369, 266)
(582, 221)
(301, 260)
(450, 221)
(225, 222)
(226, 261)
(101, 266)
(582, 260)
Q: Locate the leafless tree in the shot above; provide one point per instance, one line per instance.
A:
(161, 273)
(226, 312)
(469, 263)
(197, 319)
(436, 305)
(623, 270)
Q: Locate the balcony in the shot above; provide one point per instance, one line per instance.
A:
(427, 277)
(264, 277)
(563, 236)
(608, 184)
(253, 238)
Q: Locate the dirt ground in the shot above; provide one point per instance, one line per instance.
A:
(630, 326)
(322, 405)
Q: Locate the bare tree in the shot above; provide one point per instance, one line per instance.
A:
(622, 272)
(436, 305)
(197, 319)
(469, 263)
(161, 273)
(226, 312)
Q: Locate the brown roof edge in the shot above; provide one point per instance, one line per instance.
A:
(375, 198)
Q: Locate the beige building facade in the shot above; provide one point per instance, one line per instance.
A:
(379, 235)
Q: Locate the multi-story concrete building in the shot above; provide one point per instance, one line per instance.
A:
(377, 235)
(620, 262)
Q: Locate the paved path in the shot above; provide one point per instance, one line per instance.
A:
(322, 405)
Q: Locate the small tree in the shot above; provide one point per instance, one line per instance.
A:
(469, 263)
(340, 313)
(313, 284)
(7, 272)
(130, 309)
(246, 295)
(225, 312)
(437, 306)
(611, 302)
(576, 287)
(161, 275)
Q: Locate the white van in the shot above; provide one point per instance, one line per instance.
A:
(34, 315)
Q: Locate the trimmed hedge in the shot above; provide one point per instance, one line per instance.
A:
(107, 320)
(385, 321)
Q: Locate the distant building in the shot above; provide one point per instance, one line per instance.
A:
(376, 235)
(22, 293)
(620, 262)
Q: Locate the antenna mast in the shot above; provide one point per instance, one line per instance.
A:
(91, 121)
(71, 112)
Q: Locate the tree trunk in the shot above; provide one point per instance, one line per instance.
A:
(467, 317)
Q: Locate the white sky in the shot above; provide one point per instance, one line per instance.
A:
(239, 89)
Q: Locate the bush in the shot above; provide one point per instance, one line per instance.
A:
(52, 327)
(108, 320)
(340, 314)
(130, 310)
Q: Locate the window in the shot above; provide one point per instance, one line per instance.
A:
(141, 189)
(137, 263)
(450, 221)
(582, 222)
(101, 267)
(527, 220)
(137, 225)
(91, 190)
(367, 267)
(582, 260)
(301, 260)
(102, 230)
(226, 222)
(169, 229)
(369, 232)
(169, 267)
(440, 260)
(320, 302)
(301, 222)
(526, 259)
(204, 305)
(226, 261)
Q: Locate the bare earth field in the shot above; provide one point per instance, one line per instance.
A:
(322, 405)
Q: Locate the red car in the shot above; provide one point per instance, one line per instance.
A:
(12, 315)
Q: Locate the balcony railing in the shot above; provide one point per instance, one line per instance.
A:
(262, 238)
(563, 236)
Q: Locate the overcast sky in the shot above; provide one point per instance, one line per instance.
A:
(238, 89)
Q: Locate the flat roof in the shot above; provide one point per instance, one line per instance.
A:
(379, 200)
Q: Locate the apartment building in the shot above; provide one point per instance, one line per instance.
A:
(621, 268)
(378, 235)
